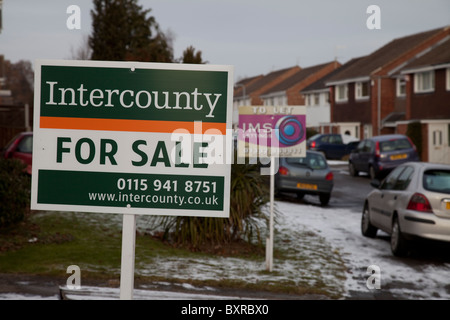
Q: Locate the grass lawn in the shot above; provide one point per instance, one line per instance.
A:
(48, 242)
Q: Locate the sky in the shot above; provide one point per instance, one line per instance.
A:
(254, 36)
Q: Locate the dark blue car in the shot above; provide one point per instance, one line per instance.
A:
(331, 145)
(378, 155)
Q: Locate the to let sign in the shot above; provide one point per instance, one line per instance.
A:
(128, 137)
(278, 131)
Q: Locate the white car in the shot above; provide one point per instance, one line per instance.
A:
(412, 201)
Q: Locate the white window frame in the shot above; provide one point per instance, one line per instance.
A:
(305, 98)
(338, 98)
(401, 82)
(359, 90)
(420, 85)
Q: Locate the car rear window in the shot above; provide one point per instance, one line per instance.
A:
(437, 180)
(393, 145)
(313, 161)
(26, 145)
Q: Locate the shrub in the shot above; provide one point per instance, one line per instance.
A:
(249, 192)
(14, 192)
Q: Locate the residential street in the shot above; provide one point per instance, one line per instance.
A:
(423, 275)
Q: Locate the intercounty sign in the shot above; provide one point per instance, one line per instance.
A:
(132, 138)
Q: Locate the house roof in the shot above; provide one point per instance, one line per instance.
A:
(384, 55)
(238, 87)
(321, 83)
(295, 79)
(264, 81)
(438, 55)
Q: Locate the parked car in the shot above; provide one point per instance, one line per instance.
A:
(413, 201)
(308, 175)
(378, 155)
(20, 147)
(332, 145)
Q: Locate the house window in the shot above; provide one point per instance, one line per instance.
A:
(424, 81)
(316, 99)
(341, 93)
(401, 87)
(362, 90)
(437, 138)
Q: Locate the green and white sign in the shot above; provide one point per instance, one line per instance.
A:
(129, 137)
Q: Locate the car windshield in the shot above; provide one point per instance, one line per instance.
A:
(313, 161)
(393, 145)
(314, 137)
(437, 180)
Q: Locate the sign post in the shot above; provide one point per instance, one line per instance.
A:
(271, 131)
(132, 138)
(128, 254)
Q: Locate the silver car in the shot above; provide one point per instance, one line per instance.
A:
(308, 175)
(412, 201)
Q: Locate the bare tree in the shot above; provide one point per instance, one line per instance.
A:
(83, 52)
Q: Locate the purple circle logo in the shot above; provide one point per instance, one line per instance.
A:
(290, 130)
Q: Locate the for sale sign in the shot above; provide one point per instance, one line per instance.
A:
(128, 137)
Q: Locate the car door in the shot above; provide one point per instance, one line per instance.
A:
(366, 154)
(356, 155)
(400, 194)
(324, 145)
(335, 147)
(383, 202)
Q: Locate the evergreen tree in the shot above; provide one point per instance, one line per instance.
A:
(189, 56)
(123, 30)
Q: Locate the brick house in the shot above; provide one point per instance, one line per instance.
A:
(317, 100)
(281, 87)
(287, 92)
(424, 84)
(363, 96)
(247, 91)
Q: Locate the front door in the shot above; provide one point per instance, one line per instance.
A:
(438, 143)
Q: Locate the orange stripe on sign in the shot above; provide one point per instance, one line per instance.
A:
(132, 125)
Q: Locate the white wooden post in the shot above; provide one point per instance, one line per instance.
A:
(128, 257)
(269, 242)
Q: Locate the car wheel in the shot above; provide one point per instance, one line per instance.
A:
(352, 170)
(372, 173)
(324, 198)
(399, 245)
(367, 229)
